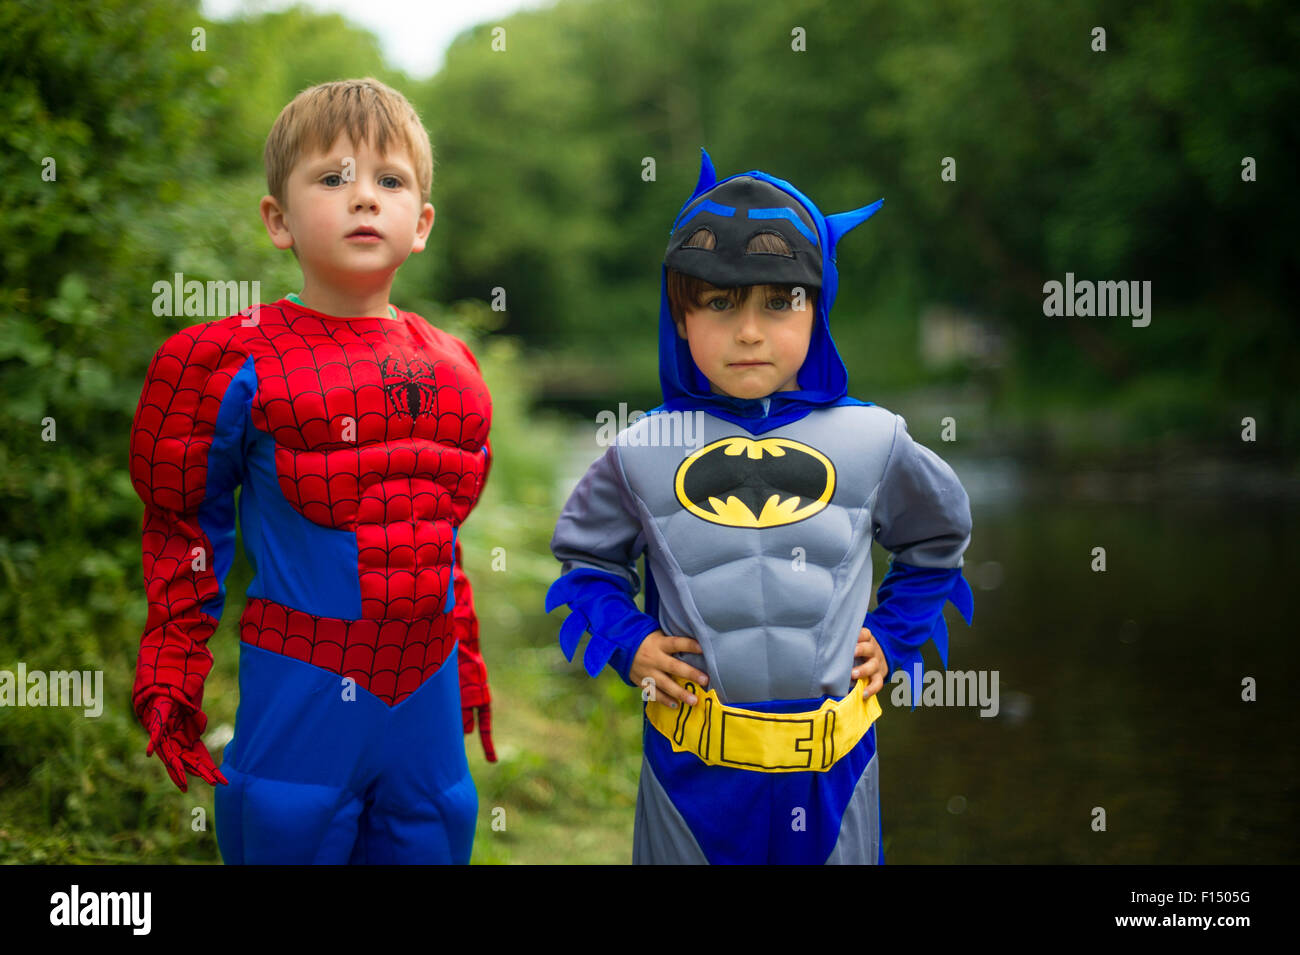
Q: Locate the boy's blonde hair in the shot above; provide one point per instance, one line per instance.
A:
(361, 108)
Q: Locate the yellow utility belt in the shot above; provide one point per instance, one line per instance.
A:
(723, 735)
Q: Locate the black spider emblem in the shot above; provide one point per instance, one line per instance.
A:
(410, 386)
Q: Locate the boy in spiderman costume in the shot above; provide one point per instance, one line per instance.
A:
(359, 434)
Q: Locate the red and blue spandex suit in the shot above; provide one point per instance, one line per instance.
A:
(361, 445)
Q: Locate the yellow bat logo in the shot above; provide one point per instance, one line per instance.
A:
(748, 482)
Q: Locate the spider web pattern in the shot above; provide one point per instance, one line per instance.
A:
(170, 437)
(389, 658)
(345, 459)
(401, 484)
(473, 672)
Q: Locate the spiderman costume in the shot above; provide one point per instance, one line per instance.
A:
(361, 445)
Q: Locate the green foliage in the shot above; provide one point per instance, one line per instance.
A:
(1117, 165)
(1120, 165)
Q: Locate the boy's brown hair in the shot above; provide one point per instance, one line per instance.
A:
(686, 291)
(361, 108)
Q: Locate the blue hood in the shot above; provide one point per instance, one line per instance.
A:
(823, 380)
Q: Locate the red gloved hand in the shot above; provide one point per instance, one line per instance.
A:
(484, 727)
(474, 694)
(177, 736)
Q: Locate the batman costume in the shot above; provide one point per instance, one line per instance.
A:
(757, 540)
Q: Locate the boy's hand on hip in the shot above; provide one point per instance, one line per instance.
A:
(654, 659)
(874, 667)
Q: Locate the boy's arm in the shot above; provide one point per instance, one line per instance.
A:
(922, 516)
(474, 694)
(597, 540)
(186, 460)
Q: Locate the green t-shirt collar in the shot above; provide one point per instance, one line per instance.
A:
(293, 297)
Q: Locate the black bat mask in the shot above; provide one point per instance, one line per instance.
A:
(735, 212)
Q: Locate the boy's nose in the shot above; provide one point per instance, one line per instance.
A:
(748, 329)
(363, 195)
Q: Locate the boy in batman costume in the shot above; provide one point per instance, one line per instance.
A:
(757, 537)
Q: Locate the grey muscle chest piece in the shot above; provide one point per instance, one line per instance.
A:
(761, 544)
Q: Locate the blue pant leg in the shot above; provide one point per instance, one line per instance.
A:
(298, 766)
(748, 817)
(425, 803)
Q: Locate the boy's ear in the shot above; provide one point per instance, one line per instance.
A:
(423, 226)
(681, 328)
(276, 226)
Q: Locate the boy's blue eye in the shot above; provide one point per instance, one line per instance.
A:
(778, 304)
(334, 179)
(722, 301)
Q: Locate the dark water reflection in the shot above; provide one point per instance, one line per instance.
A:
(1120, 690)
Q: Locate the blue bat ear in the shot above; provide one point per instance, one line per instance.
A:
(708, 178)
(843, 222)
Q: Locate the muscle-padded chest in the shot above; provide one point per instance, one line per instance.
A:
(738, 494)
(760, 544)
(373, 421)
